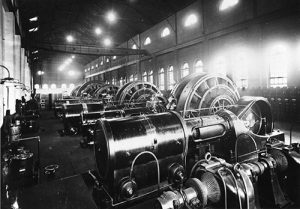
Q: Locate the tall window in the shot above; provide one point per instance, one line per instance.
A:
(145, 76)
(150, 76)
(240, 69)
(278, 65)
(114, 81)
(220, 66)
(135, 77)
(122, 81)
(131, 78)
(161, 79)
(171, 80)
(185, 70)
(198, 66)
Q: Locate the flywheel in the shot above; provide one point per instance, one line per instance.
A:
(204, 94)
(137, 91)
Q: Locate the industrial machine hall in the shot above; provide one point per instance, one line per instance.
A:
(151, 104)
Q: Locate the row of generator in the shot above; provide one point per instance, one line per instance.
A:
(203, 146)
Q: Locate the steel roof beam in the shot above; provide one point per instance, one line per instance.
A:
(88, 50)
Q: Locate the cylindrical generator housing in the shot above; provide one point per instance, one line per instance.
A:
(119, 141)
(170, 138)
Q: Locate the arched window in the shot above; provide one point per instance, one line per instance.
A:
(198, 66)
(161, 79)
(134, 46)
(150, 76)
(53, 86)
(131, 78)
(171, 79)
(165, 32)
(185, 70)
(122, 82)
(36, 86)
(45, 86)
(114, 81)
(220, 66)
(225, 4)
(135, 77)
(190, 20)
(63, 86)
(145, 76)
(278, 65)
(147, 41)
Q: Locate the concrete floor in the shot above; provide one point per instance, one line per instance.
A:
(64, 151)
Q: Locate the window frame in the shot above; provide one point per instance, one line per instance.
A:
(171, 81)
(146, 42)
(161, 79)
(184, 69)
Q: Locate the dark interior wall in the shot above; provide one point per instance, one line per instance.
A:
(249, 28)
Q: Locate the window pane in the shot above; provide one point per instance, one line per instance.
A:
(190, 20)
(135, 77)
(185, 70)
(145, 76)
(131, 78)
(151, 76)
(225, 4)
(171, 78)
(147, 41)
(161, 79)
(199, 66)
(165, 32)
(278, 67)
